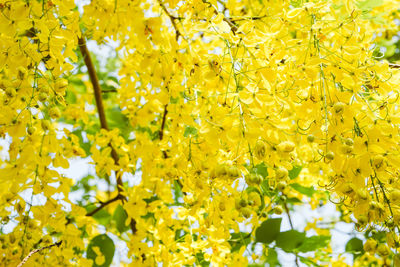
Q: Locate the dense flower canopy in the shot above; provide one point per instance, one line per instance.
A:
(209, 123)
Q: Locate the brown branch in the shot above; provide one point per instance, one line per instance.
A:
(291, 226)
(103, 122)
(288, 215)
(226, 19)
(172, 18)
(99, 101)
(95, 82)
(247, 18)
(103, 204)
(109, 91)
(394, 66)
(36, 251)
(164, 118)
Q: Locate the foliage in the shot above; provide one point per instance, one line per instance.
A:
(207, 125)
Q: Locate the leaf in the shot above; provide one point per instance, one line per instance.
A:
(368, 5)
(177, 191)
(238, 240)
(354, 245)
(272, 257)
(265, 189)
(70, 97)
(84, 145)
(83, 183)
(102, 216)
(268, 230)
(120, 216)
(308, 191)
(290, 240)
(293, 200)
(107, 248)
(295, 171)
(307, 261)
(200, 259)
(116, 119)
(190, 131)
(314, 242)
(261, 169)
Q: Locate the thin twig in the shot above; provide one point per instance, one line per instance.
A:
(226, 19)
(164, 118)
(394, 66)
(99, 101)
(103, 122)
(95, 82)
(247, 18)
(103, 204)
(172, 18)
(36, 251)
(291, 226)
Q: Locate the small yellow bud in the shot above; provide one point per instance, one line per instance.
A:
(278, 210)
(330, 155)
(11, 92)
(378, 161)
(383, 250)
(260, 149)
(286, 146)
(370, 245)
(55, 113)
(338, 107)
(281, 173)
(395, 196)
(310, 138)
(60, 85)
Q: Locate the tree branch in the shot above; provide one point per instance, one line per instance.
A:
(291, 226)
(99, 101)
(172, 18)
(164, 118)
(103, 122)
(36, 251)
(103, 204)
(394, 66)
(95, 82)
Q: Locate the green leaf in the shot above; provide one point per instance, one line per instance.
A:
(308, 191)
(296, 4)
(268, 230)
(265, 189)
(177, 191)
(102, 216)
(314, 242)
(293, 200)
(261, 169)
(190, 131)
(272, 258)
(238, 240)
(295, 171)
(120, 217)
(354, 245)
(290, 240)
(116, 119)
(379, 236)
(368, 5)
(173, 100)
(200, 259)
(70, 97)
(106, 246)
(84, 145)
(83, 183)
(307, 261)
